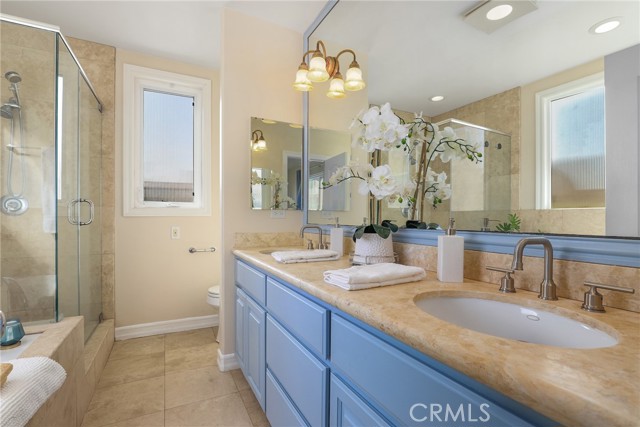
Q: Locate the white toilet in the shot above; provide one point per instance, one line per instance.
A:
(213, 296)
(213, 299)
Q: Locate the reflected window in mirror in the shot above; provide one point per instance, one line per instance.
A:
(571, 145)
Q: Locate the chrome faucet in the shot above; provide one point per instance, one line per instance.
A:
(3, 324)
(547, 287)
(321, 244)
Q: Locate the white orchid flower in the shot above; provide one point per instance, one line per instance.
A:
(382, 182)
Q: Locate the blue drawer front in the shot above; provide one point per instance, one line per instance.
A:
(348, 410)
(252, 281)
(301, 375)
(280, 411)
(407, 391)
(305, 319)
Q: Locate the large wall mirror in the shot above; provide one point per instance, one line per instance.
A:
(496, 87)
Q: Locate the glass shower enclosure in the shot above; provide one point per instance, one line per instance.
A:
(50, 215)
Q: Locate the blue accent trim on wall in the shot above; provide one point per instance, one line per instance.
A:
(623, 252)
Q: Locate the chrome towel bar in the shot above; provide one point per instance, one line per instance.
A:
(193, 250)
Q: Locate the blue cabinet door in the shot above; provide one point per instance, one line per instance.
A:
(254, 356)
(348, 410)
(241, 303)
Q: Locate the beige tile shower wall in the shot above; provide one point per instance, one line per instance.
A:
(27, 253)
(500, 112)
(98, 62)
(569, 276)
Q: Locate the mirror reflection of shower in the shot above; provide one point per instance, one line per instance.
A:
(13, 203)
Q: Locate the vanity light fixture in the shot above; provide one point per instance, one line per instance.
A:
(605, 26)
(258, 142)
(490, 15)
(437, 98)
(322, 68)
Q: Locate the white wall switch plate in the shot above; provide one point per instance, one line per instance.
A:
(175, 232)
(278, 213)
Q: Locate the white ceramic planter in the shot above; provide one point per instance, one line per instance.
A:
(373, 249)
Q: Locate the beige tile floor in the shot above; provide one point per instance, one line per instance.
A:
(171, 380)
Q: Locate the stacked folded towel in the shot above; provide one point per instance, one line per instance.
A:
(314, 255)
(31, 382)
(374, 275)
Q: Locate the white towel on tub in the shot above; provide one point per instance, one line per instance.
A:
(31, 382)
(313, 255)
(374, 275)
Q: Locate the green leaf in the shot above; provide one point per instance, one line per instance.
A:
(381, 231)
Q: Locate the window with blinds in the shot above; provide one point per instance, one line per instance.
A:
(571, 145)
(167, 140)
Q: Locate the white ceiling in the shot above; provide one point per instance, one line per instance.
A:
(425, 48)
(415, 49)
(187, 31)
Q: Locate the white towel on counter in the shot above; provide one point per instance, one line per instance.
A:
(373, 275)
(31, 382)
(310, 255)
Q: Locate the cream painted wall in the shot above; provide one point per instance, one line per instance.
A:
(157, 279)
(528, 125)
(259, 60)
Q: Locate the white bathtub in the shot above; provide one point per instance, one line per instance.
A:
(13, 353)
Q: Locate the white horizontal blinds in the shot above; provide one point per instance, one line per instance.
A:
(578, 150)
(168, 141)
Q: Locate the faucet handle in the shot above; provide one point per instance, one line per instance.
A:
(593, 299)
(506, 283)
(309, 244)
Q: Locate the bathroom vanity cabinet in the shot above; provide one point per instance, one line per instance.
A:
(311, 364)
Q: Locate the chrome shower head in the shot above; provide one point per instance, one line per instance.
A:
(13, 77)
(7, 110)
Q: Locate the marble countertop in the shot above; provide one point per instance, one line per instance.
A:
(592, 387)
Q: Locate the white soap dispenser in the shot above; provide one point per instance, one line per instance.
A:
(336, 238)
(451, 255)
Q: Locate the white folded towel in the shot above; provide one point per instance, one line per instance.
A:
(313, 255)
(31, 382)
(374, 275)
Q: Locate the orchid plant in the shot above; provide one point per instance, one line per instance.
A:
(275, 181)
(379, 128)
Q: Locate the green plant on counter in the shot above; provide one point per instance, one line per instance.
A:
(511, 226)
(383, 230)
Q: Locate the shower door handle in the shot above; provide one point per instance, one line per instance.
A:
(71, 212)
(91, 211)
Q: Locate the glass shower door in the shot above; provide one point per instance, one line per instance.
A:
(79, 137)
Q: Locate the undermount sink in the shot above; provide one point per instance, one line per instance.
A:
(515, 322)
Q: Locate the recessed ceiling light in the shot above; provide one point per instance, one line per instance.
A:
(295, 126)
(437, 98)
(491, 15)
(606, 25)
(269, 122)
(499, 12)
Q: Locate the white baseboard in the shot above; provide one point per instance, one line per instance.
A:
(227, 362)
(166, 327)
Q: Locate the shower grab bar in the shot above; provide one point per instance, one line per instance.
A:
(193, 250)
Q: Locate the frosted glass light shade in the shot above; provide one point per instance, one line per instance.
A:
(302, 82)
(336, 87)
(354, 79)
(318, 70)
(260, 145)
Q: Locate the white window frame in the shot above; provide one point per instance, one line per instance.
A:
(136, 80)
(543, 131)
